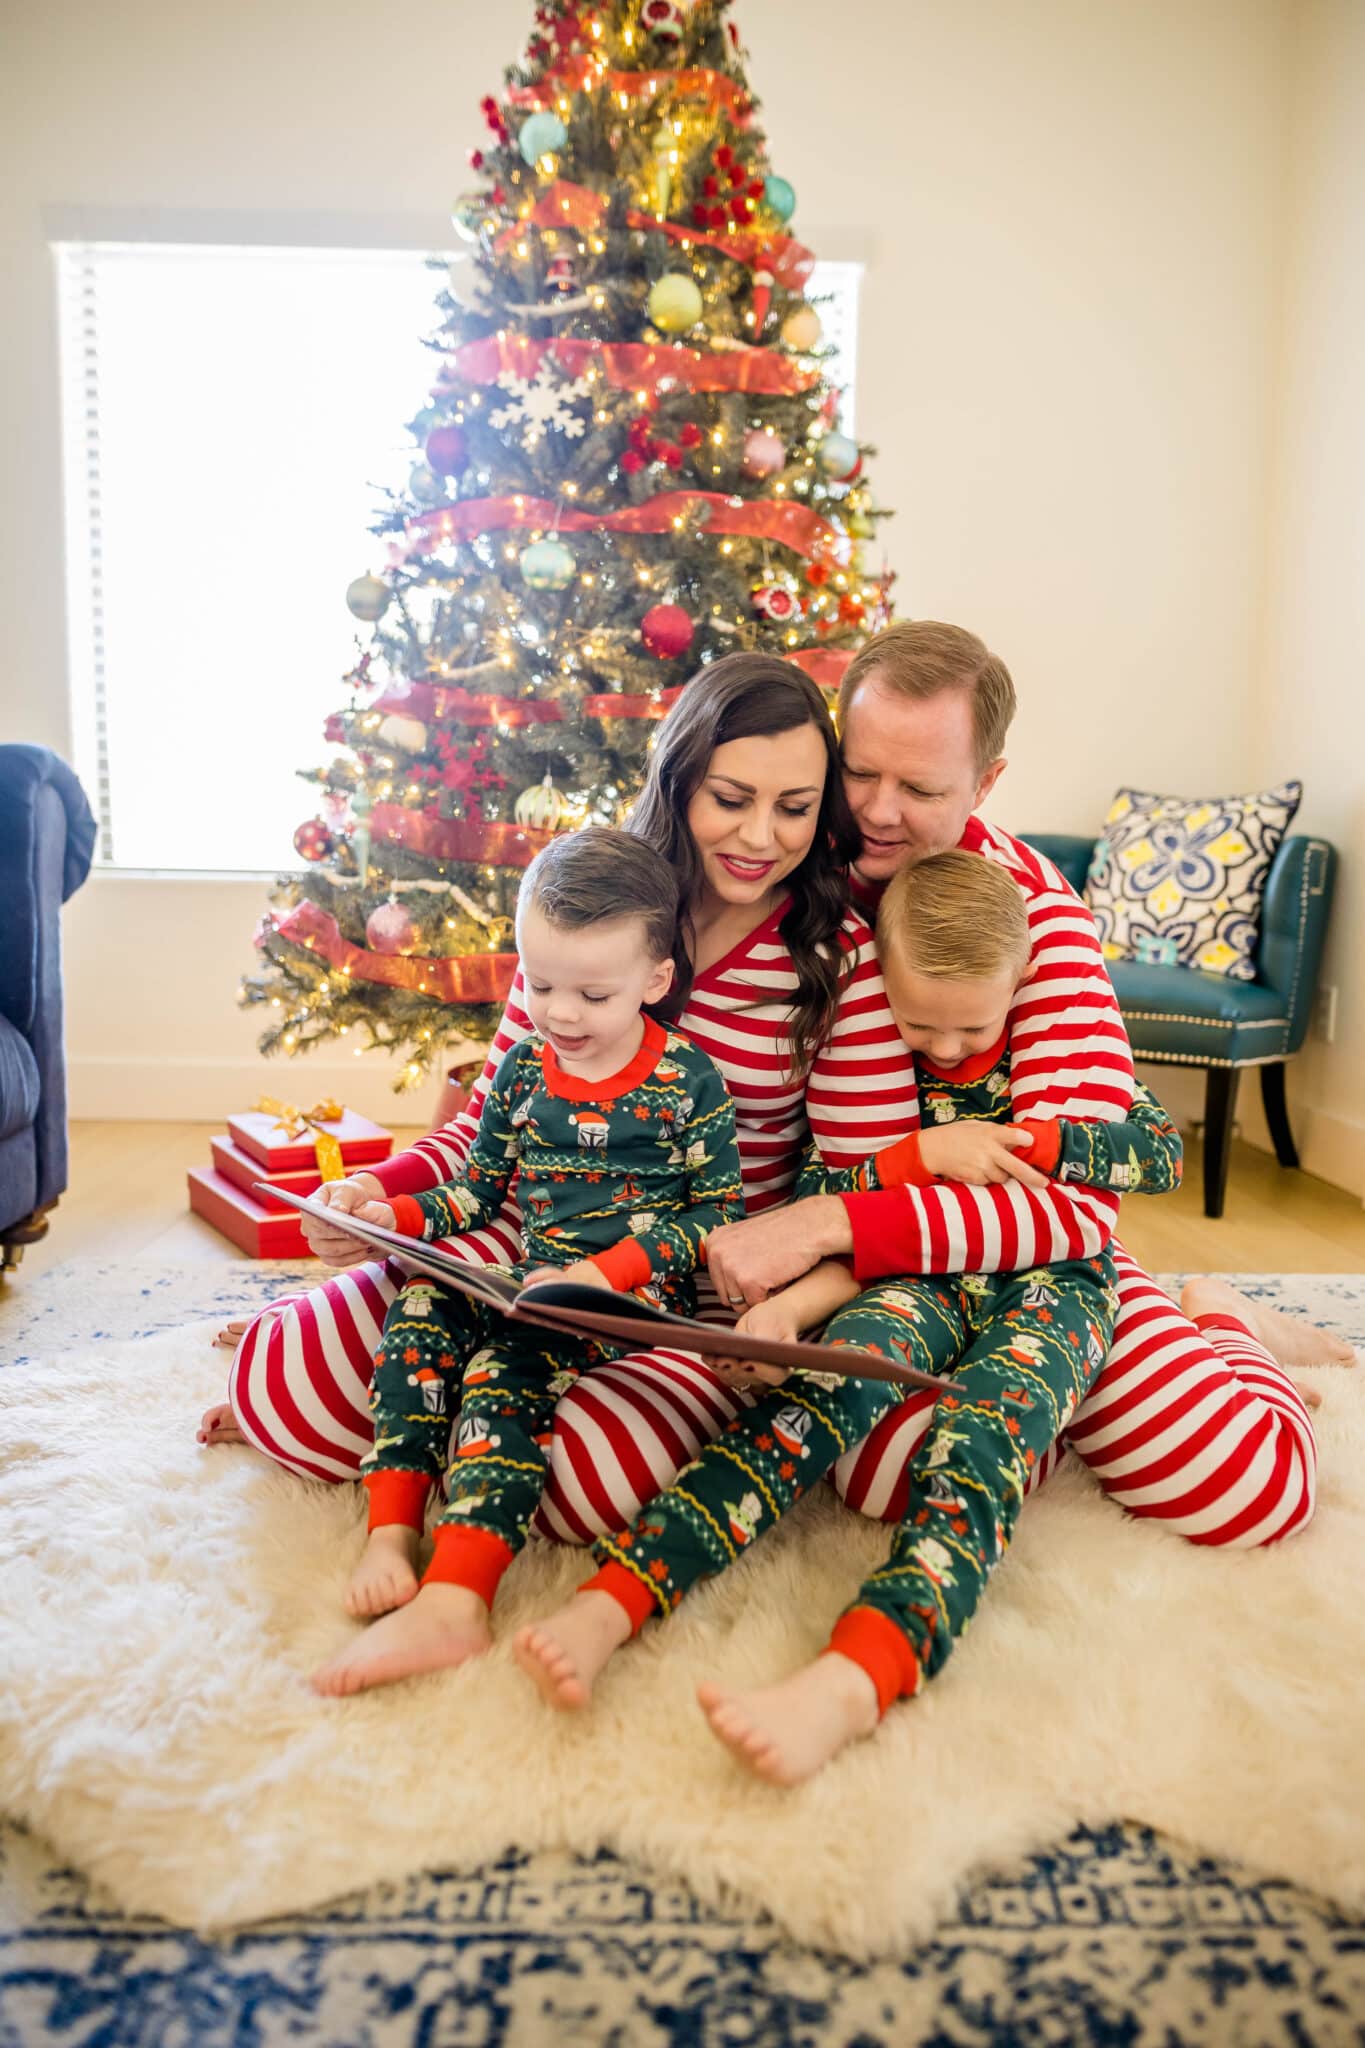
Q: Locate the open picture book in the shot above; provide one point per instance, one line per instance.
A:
(622, 1319)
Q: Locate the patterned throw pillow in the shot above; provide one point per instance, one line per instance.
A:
(1177, 882)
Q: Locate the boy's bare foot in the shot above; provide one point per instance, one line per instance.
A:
(565, 1652)
(787, 1732)
(441, 1626)
(1288, 1339)
(219, 1426)
(386, 1576)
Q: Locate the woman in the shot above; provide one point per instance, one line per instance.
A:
(744, 798)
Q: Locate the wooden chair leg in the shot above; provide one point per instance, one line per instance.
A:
(1277, 1114)
(1220, 1101)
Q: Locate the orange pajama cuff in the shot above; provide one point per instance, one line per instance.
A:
(627, 1591)
(871, 1640)
(474, 1558)
(398, 1497)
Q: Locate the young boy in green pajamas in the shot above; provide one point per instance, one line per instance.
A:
(623, 1137)
(1022, 1348)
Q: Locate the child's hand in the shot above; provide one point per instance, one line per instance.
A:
(332, 1243)
(980, 1154)
(583, 1271)
(376, 1212)
(774, 1317)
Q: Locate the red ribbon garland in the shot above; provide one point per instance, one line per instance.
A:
(433, 701)
(630, 365)
(824, 665)
(794, 526)
(571, 74)
(467, 839)
(563, 204)
(471, 978)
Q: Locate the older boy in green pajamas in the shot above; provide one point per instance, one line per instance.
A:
(1022, 1349)
(624, 1141)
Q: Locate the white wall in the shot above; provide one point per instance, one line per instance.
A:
(1072, 218)
(1312, 716)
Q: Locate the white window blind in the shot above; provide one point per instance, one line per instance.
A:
(230, 417)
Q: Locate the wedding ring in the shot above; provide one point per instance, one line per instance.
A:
(735, 1300)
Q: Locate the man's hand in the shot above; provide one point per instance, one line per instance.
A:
(583, 1271)
(352, 1196)
(980, 1154)
(749, 1261)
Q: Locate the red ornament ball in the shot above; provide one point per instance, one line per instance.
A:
(390, 930)
(447, 450)
(666, 630)
(313, 841)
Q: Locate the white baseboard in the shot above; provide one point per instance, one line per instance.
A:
(159, 1090)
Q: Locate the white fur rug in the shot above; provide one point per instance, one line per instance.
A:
(161, 1606)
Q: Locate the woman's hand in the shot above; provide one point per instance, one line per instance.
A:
(980, 1154)
(356, 1195)
(775, 1317)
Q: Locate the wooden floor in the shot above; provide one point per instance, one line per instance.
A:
(127, 1200)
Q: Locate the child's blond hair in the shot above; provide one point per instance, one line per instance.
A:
(955, 917)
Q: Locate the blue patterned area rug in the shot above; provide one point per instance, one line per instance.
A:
(1115, 1937)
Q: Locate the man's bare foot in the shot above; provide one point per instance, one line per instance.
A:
(441, 1626)
(787, 1732)
(1288, 1339)
(386, 1576)
(219, 1426)
(565, 1652)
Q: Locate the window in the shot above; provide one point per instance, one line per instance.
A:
(231, 418)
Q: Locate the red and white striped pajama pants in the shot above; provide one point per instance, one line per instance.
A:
(1197, 1429)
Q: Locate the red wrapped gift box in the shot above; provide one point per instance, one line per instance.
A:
(248, 1174)
(260, 1134)
(244, 1218)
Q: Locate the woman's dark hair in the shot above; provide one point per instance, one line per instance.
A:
(598, 875)
(740, 697)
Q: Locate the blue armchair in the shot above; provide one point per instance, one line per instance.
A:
(47, 837)
(1188, 1019)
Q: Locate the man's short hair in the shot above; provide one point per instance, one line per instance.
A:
(921, 658)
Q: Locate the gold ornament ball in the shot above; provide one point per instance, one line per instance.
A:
(542, 807)
(367, 598)
(801, 329)
(675, 304)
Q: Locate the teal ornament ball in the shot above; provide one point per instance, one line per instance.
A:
(425, 485)
(368, 598)
(547, 565)
(838, 455)
(675, 304)
(541, 134)
(780, 196)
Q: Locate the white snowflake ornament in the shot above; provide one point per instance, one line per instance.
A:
(539, 405)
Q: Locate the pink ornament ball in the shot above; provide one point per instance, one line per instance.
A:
(764, 453)
(447, 450)
(313, 841)
(666, 631)
(390, 930)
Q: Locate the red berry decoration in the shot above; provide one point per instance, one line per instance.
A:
(476, 159)
(313, 841)
(666, 630)
(632, 462)
(710, 184)
(690, 434)
(725, 156)
(737, 174)
(447, 450)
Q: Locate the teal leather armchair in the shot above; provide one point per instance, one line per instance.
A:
(1184, 1018)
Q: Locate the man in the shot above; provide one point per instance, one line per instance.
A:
(923, 713)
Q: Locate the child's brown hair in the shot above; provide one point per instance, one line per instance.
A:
(599, 874)
(955, 917)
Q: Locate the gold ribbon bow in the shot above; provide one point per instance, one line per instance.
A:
(294, 1122)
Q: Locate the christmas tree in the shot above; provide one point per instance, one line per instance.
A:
(629, 463)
